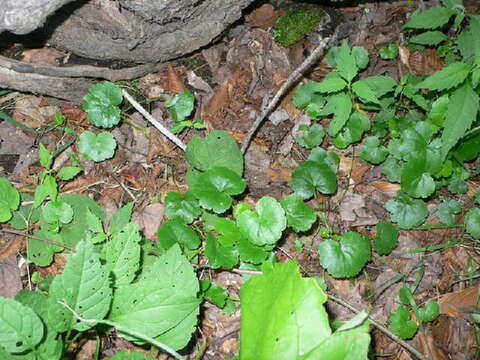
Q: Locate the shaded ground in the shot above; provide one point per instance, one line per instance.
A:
(231, 80)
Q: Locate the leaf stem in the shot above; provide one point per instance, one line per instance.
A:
(51, 242)
(128, 331)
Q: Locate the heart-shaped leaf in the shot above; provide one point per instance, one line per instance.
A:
(97, 147)
(311, 176)
(101, 104)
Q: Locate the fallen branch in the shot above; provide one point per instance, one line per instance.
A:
(292, 79)
(51, 242)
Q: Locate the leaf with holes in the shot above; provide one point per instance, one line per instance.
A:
(345, 258)
(266, 224)
(101, 104)
(84, 285)
(40, 252)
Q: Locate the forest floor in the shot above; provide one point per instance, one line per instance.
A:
(231, 80)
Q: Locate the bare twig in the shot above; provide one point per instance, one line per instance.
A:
(154, 122)
(24, 234)
(292, 79)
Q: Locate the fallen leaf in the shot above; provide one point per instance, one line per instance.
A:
(264, 17)
(460, 303)
(174, 82)
(150, 219)
(43, 56)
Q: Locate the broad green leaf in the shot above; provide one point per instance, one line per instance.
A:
(311, 176)
(346, 64)
(438, 110)
(184, 207)
(387, 238)
(214, 188)
(20, 327)
(472, 222)
(217, 149)
(432, 18)
(251, 253)
(381, 85)
(57, 211)
(304, 94)
(220, 256)
(93, 222)
(429, 312)
(122, 254)
(415, 179)
(46, 158)
(181, 105)
(468, 149)
(174, 231)
(342, 107)
(9, 199)
(431, 38)
(372, 151)
(313, 137)
(101, 104)
(353, 130)
(401, 325)
(283, 315)
(407, 212)
(392, 168)
(40, 252)
(229, 232)
(47, 188)
(97, 147)
(322, 156)
(69, 172)
(121, 218)
(24, 215)
(214, 293)
(447, 78)
(265, 225)
(164, 298)
(364, 92)
(388, 52)
(345, 258)
(446, 211)
(84, 285)
(361, 56)
(462, 112)
(332, 83)
(300, 216)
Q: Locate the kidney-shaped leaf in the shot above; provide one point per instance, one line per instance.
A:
(97, 147)
(311, 176)
(101, 104)
(300, 216)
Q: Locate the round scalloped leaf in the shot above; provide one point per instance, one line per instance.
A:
(300, 216)
(401, 325)
(181, 105)
(57, 211)
(251, 253)
(214, 188)
(97, 147)
(175, 231)
(345, 258)
(387, 238)
(446, 211)
(184, 207)
(429, 312)
(101, 104)
(220, 256)
(472, 222)
(266, 224)
(9, 199)
(312, 137)
(407, 212)
(372, 151)
(311, 176)
(20, 327)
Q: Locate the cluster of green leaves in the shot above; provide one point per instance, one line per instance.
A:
(401, 323)
(181, 107)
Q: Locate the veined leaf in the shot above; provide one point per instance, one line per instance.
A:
(101, 104)
(447, 78)
(381, 85)
(407, 212)
(300, 216)
(429, 19)
(311, 176)
(184, 207)
(429, 38)
(462, 112)
(364, 92)
(346, 64)
(401, 324)
(342, 107)
(9, 199)
(332, 83)
(176, 232)
(387, 238)
(220, 256)
(97, 147)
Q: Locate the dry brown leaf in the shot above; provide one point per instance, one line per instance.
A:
(12, 247)
(459, 303)
(43, 56)
(264, 17)
(420, 64)
(150, 219)
(174, 82)
(27, 111)
(10, 280)
(428, 346)
(384, 186)
(82, 183)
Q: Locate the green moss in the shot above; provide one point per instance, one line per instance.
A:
(297, 22)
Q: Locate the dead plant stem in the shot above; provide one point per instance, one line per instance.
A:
(51, 242)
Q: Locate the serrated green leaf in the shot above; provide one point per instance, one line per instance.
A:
(46, 188)
(472, 222)
(122, 254)
(431, 38)
(387, 238)
(462, 112)
(429, 312)
(93, 222)
(121, 218)
(174, 231)
(220, 256)
(447, 78)
(311, 176)
(300, 216)
(229, 232)
(305, 94)
(330, 84)
(40, 252)
(346, 64)
(97, 147)
(9, 199)
(342, 107)
(283, 315)
(438, 110)
(353, 130)
(20, 327)
(364, 92)
(84, 285)
(345, 258)
(372, 151)
(381, 85)
(181, 105)
(217, 149)
(446, 211)
(69, 172)
(432, 18)
(313, 137)
(184, 207)
(161, 300)
(214, 188)
(45, 156)
(266, 224)
(401, 325)
(57, 211)
(407, 212)
(101, 104)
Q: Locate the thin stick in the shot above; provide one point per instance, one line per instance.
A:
(128, 331)
(154, 122)
(292, 79)
(51, 242)
(382, 328)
